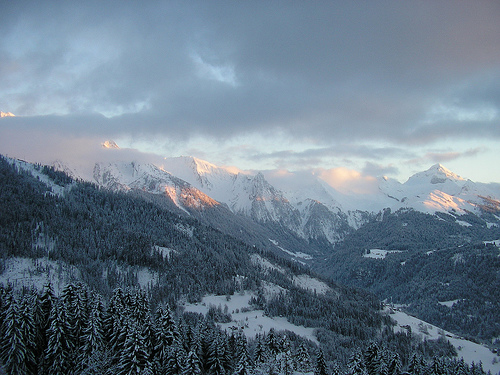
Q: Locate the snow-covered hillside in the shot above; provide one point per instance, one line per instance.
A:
(468, 350)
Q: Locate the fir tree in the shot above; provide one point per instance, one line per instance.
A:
(320, 368)
(176, 359)
(59, 345)
(302, 359)
(13, 349)
(192, 365)
(243, 365)
(133, 359)
(218, 356)
(93, 344)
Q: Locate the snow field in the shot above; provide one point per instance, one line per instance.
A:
(37, 273)
(379, 253)
(468, 350)
(252, 322)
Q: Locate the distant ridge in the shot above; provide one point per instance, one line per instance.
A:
(6, 114)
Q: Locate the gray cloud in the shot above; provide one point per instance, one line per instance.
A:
(328, 73)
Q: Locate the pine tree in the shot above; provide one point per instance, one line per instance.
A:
(176, 359)
(133, 358)
(394, 365)
(13, 348)
(92, 341)
(356, 365)
(320, 368)
(219, 359)
(57, 358)
(243, 365)
(192, 365)
(302, 359)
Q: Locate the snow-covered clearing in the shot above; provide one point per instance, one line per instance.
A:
(449, 303)
(265, 264)
(495, 242)
(146, 277)
(38, 272)
(468, 350)
(252, 322)
(379, 253)
(298, 254)
(310, 283)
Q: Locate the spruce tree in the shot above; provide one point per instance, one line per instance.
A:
(394, 365)
(13, 345)
(165, 334)
(302, 359)
(133, 358)
(192, 365)
(243, 363)
(59, 349)
(92, 341)
(356, 365)
(218, 357)
(320, 368)
(28, 331)
(260, 355)
(414, 366)
(372, 359)
(176, 359)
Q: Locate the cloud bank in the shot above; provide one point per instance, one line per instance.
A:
(330, 82)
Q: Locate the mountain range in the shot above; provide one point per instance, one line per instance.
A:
(311, 210)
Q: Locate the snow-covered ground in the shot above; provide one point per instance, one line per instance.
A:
(468, 350)
(252, 322)
(310, 283)
(37, 273)
(379, 253)
(449, 303)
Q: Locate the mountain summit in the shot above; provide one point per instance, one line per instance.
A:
(6, 114)
(110, 144)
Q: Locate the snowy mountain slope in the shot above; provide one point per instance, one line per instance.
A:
(300, 202)
(440, 190)
(123, 176)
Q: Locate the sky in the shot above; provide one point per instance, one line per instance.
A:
(350, 89)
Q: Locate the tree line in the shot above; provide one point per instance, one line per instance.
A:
(81, 332)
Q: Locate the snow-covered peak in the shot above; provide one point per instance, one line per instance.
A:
(110, 144)
(6, 114)
(437, 174)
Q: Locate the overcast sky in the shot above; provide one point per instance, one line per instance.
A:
(370, 87)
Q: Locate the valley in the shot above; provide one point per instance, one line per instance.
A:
(263, 260)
